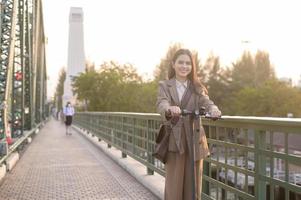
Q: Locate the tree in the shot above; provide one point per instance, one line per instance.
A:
(243, 72)
(58, 96)
(146, 97)
(264, 71)
(85, 86)
(273, 99)
(217, 79)
(252, 71)
(114, 88)
(247, 78)
(161, 71)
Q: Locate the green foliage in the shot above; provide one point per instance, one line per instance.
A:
(252, 89)
(263, 67)
(58, 96)
(250, 71)
(115, 88)
(273, 99)
(243, 72)
(148, 92)
(85, 86)
(217, 79)
(248, 88)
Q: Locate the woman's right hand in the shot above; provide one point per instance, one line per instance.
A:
(174, 111)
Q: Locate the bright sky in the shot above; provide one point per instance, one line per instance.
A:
(140, 31)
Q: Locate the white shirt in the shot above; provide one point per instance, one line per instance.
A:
(181, 87)
(68, 111)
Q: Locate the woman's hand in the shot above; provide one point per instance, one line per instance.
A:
(174, 111)
(215, 113)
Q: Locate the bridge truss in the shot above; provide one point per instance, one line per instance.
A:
(22, 67)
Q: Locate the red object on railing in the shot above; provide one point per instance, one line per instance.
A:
(18, 76)
(9, 140)
(8, 137)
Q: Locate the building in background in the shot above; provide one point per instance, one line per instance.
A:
(288, 81)
(76, 53)
(299, 82)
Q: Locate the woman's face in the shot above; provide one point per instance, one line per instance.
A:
(182, 66)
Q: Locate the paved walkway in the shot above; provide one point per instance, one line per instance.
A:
(57, 166)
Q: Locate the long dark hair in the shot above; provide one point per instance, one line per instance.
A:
(68, 102)
(192, 76)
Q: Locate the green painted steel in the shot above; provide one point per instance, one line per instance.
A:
(17, 79)
(22, 68)
(7, 43)
(21, 141)
(251, 157)
(28, 114)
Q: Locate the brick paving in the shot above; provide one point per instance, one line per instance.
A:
(57, 166)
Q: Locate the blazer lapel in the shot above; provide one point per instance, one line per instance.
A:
(173, 91)
(186, 96)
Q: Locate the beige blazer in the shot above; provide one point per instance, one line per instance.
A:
(168, 96)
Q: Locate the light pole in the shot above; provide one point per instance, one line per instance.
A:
(246, 45)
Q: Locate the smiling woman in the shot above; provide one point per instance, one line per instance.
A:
(182, 67)
(187, 143)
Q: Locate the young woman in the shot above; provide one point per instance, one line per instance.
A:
(68, 112)
(184, 91)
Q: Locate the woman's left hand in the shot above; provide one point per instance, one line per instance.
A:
(215, 113)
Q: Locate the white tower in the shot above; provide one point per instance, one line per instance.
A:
(76, 54)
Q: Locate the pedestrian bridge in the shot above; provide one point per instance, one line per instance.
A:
(60, 166)
(108, 156)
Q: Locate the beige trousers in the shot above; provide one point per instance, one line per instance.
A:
(178, 177)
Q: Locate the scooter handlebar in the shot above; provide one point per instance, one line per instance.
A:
(196, 113)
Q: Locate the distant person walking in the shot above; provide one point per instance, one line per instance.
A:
(68, 113)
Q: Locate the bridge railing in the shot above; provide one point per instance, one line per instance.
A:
(6, 150)
(251, 157)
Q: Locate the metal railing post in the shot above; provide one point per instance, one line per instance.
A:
(205, 184)
(150, 158)
(236, 169)
(260, 165)
(123, 154)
